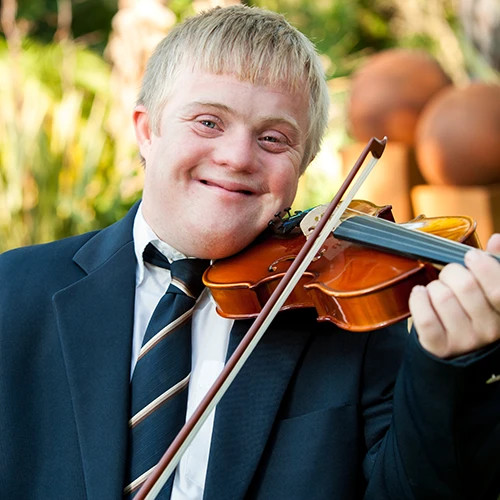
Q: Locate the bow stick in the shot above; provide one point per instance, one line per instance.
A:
(166, 466)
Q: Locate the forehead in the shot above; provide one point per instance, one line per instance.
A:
(229, 89)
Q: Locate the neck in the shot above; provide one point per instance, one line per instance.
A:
(388, 236)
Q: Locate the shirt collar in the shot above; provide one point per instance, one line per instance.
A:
(143, 235)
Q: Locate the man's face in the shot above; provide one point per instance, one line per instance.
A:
(226, 160)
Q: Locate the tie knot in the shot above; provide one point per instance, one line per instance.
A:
(187, 274)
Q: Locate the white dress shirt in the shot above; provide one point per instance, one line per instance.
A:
(210, 337)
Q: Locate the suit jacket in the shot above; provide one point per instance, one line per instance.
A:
(316, 413)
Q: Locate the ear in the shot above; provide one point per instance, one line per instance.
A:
(142, 129)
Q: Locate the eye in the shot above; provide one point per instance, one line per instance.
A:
(208, 123)
(274, 143)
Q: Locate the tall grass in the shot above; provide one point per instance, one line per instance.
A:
(62, 171)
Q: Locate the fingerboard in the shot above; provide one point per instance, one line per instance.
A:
(391, 237)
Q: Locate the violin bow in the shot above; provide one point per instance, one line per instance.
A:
(169, 461)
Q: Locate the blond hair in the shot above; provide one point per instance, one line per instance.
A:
(250, 43)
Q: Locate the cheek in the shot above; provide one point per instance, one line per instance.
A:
(160, 171)
(157, 190)
(154, 180)
(287, 187)
(285, 178)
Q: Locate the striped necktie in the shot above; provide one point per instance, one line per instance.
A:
(161, 376)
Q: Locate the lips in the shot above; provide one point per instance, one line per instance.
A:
(230, 186)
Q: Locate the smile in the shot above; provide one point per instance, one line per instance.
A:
(228, 186)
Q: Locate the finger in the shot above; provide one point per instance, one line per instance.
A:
(431, 332)
(493, 245)
(481, 323)
(461, 336)
(486, 271)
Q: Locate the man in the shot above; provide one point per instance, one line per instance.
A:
(231, 112)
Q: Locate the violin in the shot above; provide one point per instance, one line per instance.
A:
(327, 273)
(361, 278)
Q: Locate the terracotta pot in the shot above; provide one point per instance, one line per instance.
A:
(389, 92)
(458, 137)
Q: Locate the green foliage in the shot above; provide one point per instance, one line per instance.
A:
(181, 8)
(91, 20)
(343, 30)
(59, 172)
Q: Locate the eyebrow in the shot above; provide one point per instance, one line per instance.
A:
(216, 105)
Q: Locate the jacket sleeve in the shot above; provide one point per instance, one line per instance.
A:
(443, 441)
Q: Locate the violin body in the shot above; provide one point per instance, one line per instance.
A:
(355, 287)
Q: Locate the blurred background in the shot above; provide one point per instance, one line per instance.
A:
(425, 73)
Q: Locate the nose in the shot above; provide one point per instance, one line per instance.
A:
(238, 151)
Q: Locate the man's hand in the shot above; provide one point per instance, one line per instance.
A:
(460, 312)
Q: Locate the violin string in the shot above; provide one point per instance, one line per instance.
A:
(423, 235)
(433, 240)
(357, 231)
(375, 232)
(429, 241)
(411, 242)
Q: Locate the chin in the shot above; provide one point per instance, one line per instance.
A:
(219, 246)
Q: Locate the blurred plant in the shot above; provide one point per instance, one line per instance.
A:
(90, 20)
(343, 30)
(481, 37)
(59, 170)
(57, 161)
(138, 26)
(432, 26)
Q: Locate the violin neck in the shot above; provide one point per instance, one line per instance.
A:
(391, 237)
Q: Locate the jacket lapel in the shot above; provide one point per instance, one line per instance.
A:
(245, 415)
(95, 320)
